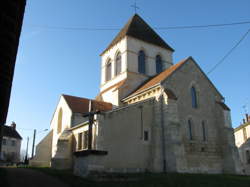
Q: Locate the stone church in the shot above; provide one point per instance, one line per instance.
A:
(151, 115)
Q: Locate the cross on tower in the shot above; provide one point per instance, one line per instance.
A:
(135, 6)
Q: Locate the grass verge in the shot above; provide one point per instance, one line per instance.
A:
(153, 180)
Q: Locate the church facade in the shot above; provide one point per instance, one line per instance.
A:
(150, 115)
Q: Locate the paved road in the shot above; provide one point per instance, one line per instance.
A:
(21, 177)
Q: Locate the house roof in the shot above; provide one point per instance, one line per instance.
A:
(158, 78)
(81, 105)
(11, 132)
(136, 27)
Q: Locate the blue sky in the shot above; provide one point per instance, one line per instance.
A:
(55, 61)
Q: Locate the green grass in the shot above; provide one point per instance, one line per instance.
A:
(3, 179)
(152, 180)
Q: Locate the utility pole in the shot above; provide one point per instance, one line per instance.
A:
(33, 146)
(27, 148)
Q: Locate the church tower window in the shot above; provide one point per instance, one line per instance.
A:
(141, 62)
(118, 63)
(59, 121)
(108, 70)
(194, 97)
(158, 63)
(190, 129)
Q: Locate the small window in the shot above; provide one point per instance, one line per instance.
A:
(4, 141)
(118, 64)
(204, 136)
(108, 70)
(141, 62)
(190, 130)
(248, 157)
(194, 97)
(145, 137)
(13, 142)
(85, 140)
(159, 65)
(79, 141)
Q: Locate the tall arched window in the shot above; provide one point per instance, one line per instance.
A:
(194, 97)
(59, 121)
(190, 129)
(141, 62)
(158, 63)
(204, 135)
(118, 63)
(108, 70)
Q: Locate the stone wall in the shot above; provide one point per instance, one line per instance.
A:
(43, 154)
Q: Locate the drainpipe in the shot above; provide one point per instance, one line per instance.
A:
(163, 135)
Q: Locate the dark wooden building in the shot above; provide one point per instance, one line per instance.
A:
(11, 18)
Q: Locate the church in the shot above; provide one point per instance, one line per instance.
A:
(151, 115)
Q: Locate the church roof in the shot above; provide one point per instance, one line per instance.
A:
(158, 78)
(81, 105)
(136, 27)
(11, 132)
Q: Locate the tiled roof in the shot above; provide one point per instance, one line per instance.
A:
(81, 105)
(10, 132)
(158, 78)
(136, 27)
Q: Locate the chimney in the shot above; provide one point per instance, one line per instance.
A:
(247, 117)
(244, 121)
(13, 125)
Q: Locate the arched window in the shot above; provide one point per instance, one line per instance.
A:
(190, 129)
(59, 121)
(204, 135)
(141, 62)
(158, 63)
(194, 97)
(108, 70)
(118, 63)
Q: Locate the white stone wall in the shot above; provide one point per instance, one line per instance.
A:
(151, 51)
(111, 54)
(66, 122)
(43, 155)
(120, 133)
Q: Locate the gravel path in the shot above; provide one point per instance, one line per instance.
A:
(21, 177)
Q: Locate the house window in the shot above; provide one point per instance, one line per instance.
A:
(190, 130)
(141, 62)
(59, 121)
(4, 141)
(118, 63)
(85, 140)
(108, 70)
(204, 137)
(13, 143)
(146, 136)
(159, 65)
(194, 97)
(248, 157)
(79, 141)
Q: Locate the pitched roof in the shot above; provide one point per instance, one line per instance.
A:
(158, 78)
(11, 132)
(136, 27)
(81, 105)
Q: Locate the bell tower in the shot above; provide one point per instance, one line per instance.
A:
(135, 55)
